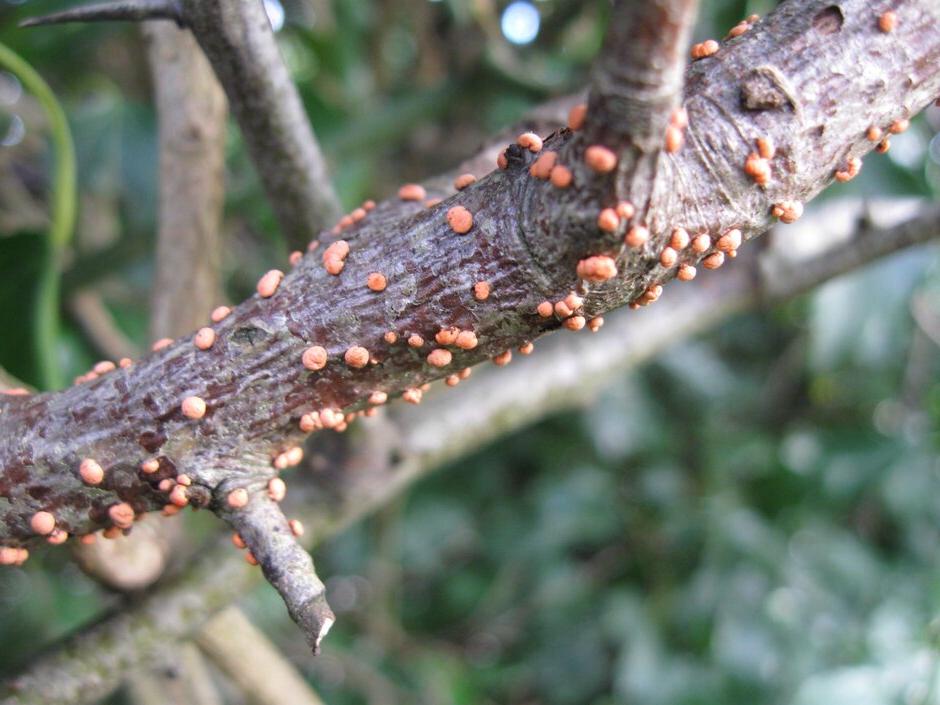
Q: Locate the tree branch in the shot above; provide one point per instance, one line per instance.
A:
(117, 10)
(226, 415)
(287, 566)
(191, 111)
(252, 662)
(349, 479)
(237, 38)
(179, 675)
(96, 322)
(637, 80)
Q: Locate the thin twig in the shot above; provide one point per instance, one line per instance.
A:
(98, 325)
(178, 675)
(119, 10)
(287, 566)
(240, 44)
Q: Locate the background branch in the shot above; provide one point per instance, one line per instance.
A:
(191, 110)
(255, 665)
(120, 10)
(237, 38)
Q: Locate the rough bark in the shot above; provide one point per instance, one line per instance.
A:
(812, 78)
(347, 478)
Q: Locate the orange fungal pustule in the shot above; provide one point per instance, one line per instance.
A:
(600, 159)
(701, 243)
(376, 281)
(608, 220)
(42, 523)
(91, 472)
(466, 340)
(277, 489)
(269, 283)
(758, 168)
(439, 357)
(204, 338)
(121, 515)
(334, 257)
(530, 141)
(597, 268)
(853, 166)
(577, 116)
(356, 357)
(560, 176)
(542, 167)
(637, 236)
(674, 139)
(704, 49)
(464, 180)
(679, 239)
(787, 211)
(412, 192)
(888, 21)
(237, 498)
(503, 359)
(574, 323)
(460, 220)
(193, 407)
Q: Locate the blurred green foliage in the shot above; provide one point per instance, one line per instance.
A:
(752, 517)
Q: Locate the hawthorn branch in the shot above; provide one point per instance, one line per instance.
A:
(348, 479)
(240, 44)
(525, 241)
(637, 79)
(118, 10)
(287, 566)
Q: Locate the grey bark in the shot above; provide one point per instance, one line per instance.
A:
(237, 38)
(810, 78)
(346, 479)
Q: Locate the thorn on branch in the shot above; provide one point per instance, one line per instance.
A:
(270, 538)
(116, 11)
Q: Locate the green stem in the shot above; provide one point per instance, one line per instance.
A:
(62, 217)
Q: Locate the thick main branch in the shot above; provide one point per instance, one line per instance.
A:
(225, 414)
(361, 475)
